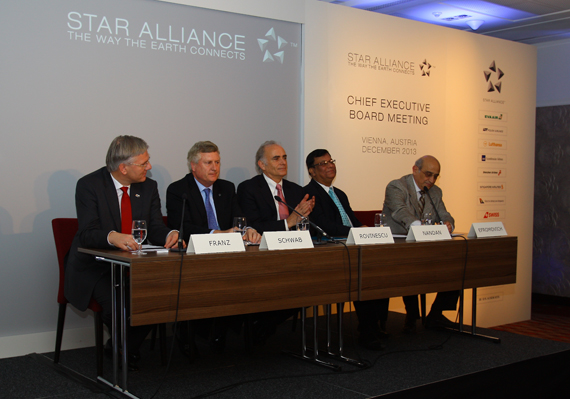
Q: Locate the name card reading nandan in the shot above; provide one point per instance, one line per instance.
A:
(428, 233)
(369, 235)
(215, 243)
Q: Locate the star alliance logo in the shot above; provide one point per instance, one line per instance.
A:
(271, 40)
(488, 78)
(425, 67)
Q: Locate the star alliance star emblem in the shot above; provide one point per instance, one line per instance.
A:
(488, 78)
(271, 39)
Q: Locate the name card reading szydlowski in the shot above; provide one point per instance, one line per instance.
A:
(273, 240)
(428, 233)
(215, 243)
(369, 235)
(488, 229)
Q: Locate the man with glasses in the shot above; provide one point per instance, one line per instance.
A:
(107, 202)
(404, 205)
(332, 212)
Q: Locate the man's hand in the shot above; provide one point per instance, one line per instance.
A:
(449, 226)
(125, 242)
(252, 236)
(305, 207)
(172, 240)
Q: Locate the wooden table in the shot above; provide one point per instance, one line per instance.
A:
(256, 280)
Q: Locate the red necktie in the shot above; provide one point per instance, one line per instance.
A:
(283, 211)
(126, 212)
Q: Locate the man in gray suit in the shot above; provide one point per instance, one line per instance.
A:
(405, 204)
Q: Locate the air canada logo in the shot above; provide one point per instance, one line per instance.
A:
(425, 68)
(494, 74)
(272, 47)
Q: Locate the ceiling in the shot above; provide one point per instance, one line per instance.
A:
(524, 21)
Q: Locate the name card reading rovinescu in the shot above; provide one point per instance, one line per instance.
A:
(369, 235)
(215, 243)
(428, 233)
(488, 229)
(273, 240)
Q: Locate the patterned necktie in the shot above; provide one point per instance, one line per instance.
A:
(343, 215)
(126, 212)
(283, 210)
(212, 223)
(422, 202)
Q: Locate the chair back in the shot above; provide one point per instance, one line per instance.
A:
(64, 229)
(366, 217)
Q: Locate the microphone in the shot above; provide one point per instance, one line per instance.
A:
(278, 199)
(426, 190)
(181, 231)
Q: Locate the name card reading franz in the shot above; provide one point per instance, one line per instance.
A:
(487, 229)
(428, 233)
(369, 235)
(273, 240)
(215, 243)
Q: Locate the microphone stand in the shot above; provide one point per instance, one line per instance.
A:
(323, 233)
(181, 248)
(433, 205)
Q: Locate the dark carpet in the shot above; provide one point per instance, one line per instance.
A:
(429, 364)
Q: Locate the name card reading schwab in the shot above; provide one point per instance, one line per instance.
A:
(428, 233)
(369, 235)
(215, 243)
(488, 229)
(272, 240)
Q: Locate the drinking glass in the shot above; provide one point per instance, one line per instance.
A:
(139, 234)
(427, 219)
(379, 220)
(303, 224)
(240, 225)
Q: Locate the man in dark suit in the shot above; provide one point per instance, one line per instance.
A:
(204, 165)
(332, 212)
(264, 213)
(211, 205)
(256, 195)
(107, 201)
(405, 204)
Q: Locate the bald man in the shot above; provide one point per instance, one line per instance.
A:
(404, 205)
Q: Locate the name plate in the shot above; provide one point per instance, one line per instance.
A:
(488, 229)
(428, 233)
(273, 240)
(215, 243)
(369, 235)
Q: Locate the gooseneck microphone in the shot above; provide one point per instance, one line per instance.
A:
(426, 190)
(181, 231)
(278, 199)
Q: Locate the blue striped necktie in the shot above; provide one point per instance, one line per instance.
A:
(343, 215)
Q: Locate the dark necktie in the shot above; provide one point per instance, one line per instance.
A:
(126, 212)
(422, 202)
(212, 223)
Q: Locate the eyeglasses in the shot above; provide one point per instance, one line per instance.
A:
(143, 165)
(430, 174)
(325, 163)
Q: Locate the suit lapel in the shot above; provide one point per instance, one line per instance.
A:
(414, 196)
(112, 199)
(195, 199)
(136, 201)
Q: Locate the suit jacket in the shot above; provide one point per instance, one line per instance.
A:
(195, 217)
(257, 202)
(401, 205)
(325, 214)
(98, 213)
